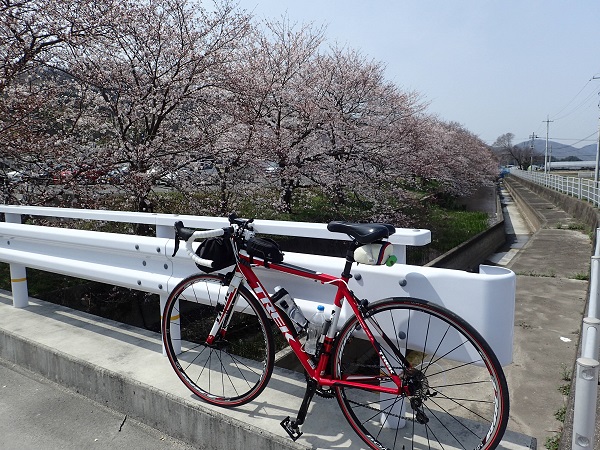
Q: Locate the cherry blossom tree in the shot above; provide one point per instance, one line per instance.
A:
(228, 111)
(364, 125)
(454, 161)
(271, 85)
(35, 99)
(151, 76)
(30, 31)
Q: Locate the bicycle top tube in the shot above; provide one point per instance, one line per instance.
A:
(289, 269)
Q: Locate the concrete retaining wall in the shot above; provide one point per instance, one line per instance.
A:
(470, 254)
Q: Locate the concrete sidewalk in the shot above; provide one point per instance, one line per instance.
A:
(552, 269)
(39, 414)
(122, 366)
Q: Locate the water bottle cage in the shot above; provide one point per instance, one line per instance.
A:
(321, 340)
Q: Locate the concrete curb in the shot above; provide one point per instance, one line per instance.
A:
(533, 218)
(198, 425)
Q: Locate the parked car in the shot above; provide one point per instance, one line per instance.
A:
(15, 176)
(84, 175)
(18, 176)
(116, 175)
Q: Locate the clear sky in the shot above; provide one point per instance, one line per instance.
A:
(494, 66)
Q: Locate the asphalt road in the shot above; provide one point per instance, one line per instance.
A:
(36, 413)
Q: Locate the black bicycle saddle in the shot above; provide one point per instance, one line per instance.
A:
(364, 233)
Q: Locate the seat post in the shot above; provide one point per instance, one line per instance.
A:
(349, 260)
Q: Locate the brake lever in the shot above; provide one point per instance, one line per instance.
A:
(178, 225)
(181, 233)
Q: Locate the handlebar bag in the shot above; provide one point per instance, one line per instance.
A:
(265, 249)
(218, 250)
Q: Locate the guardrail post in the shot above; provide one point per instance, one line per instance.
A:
(589, 338)
(594, 302)
(594, 287)
(18, 274)
(586, 391)
(163, 231)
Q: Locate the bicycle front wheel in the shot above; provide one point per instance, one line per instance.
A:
(455, 394)
(236, 367)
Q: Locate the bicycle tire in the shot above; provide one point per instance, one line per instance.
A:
(457, 385)
(233, 370)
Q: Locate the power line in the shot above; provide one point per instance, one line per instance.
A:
(571, 101)
(577, 107)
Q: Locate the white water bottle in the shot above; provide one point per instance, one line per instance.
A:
(315, 330)
(283, 300)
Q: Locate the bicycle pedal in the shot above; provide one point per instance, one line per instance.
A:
(291, 429)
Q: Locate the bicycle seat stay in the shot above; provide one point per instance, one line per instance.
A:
(363, 233)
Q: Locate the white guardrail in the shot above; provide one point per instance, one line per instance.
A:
(586, 381)
(485, 299)
(578, 187)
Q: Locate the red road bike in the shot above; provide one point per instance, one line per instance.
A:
(406, 373)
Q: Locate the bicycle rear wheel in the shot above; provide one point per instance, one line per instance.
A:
(237, 366)
(456, 396)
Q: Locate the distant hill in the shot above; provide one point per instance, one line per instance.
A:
(561, 151)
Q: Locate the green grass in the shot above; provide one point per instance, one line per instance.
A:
(561, 413)
(451, 228)
(581, 276)
(553, 442)
(533, 273)
(565, 373)
(564, 389)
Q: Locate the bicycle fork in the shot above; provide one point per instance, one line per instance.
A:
(219, 327)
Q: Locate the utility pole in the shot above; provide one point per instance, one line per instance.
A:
(546, 160)
(597, 155)
(597, 149)
(533, 137)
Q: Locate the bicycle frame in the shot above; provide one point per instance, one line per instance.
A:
(318, 371)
